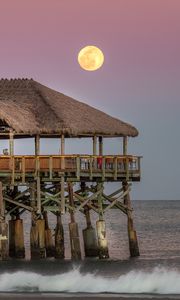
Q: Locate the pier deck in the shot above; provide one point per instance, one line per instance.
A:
(74, 167)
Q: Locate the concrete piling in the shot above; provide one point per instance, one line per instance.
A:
(19, 238)
(59, 238)
(133, 242)
(12, 237)
(89, 237)
(37, 239)
(102, 239)
(49, 245)
(73, 228)
(101, 227)
(3, 240)
(74, 241)
(3, 228)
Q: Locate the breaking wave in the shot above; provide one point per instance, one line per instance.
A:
(158, 281)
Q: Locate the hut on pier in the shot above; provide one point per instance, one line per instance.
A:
(30, 109)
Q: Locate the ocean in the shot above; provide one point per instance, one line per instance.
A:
(153, 275)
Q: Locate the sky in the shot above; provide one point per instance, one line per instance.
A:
(138, 83)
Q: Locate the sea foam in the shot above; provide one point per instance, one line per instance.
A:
(159, 281)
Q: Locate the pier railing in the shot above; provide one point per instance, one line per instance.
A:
(107, 167)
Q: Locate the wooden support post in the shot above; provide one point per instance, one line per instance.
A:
(125, 143)
(49, 245)
(100, 145)
(38, 182)
(3, 228)
(37, 145)
(95, 151)
(101, 229)
(73, 228)
(62, 208)
(11, 153)
(62, 151)
(11, 143)
(59, 238)
(94, 145)
(37, 234)
(89, 233)
(133, 242)
(38, 194)
(126, 162)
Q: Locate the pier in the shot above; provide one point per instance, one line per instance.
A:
(61, 183)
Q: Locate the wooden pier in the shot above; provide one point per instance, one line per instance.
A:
(60, 183)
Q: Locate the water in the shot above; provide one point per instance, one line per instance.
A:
(155, 272)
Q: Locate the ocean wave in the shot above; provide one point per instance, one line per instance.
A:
(158, 281)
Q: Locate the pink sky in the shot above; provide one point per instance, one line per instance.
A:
(139, 81)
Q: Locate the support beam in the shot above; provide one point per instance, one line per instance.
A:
(38, 194)
(11, 143)
(100, 145)
(37, 145)
(126, 162)
(133, 242)
(62, 206)
(62, 151)
(38, 182)
(125, 145)
(95, 145)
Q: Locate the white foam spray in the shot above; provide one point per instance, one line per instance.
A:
(159, 281)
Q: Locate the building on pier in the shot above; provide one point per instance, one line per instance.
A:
(29, 109)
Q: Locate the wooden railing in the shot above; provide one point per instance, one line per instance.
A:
(81, 165)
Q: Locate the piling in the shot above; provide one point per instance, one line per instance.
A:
(12, 237)
(133, 242)
(101, 227)
(73, 228)
(89, 233)
(3, 229)
(49, 245)
(89, 237)
(59, 238)
(37, 238)
(16, 237)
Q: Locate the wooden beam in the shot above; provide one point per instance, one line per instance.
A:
(126, 163)
(11, 143)
(100, 145)
(125, 143)
(95, 145)
(37, 145)
(2, 209)
(18, 204)
(38, 195)
(78, 168)
(62, 207)
(62, 151)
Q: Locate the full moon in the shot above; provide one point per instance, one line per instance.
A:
(90, 58)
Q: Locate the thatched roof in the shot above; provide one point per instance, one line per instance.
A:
(29, 107)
